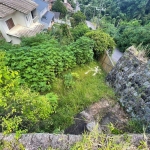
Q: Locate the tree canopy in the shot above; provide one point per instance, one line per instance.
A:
(77, 18)
(59, 7)
(102, 40)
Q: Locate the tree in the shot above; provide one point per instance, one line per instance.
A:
(102, 40)
(132, 33)
(79, 30)
(59, 7)
(77, 18)
(82, 50)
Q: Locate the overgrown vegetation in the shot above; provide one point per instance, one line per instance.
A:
(20, 109)
(81, 91)
(100, 141)
(49, 63)
(102, 40)
(40, 65)
(58, 6)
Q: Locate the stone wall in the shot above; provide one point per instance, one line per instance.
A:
(39, 141)
(46, 141)
(131, 80)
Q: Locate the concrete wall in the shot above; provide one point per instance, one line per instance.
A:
(131, 80)
(15, 40)
(43, 12)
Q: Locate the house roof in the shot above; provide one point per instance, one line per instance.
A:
(56, 15)
(41, 4)
(5, 11)
(24, 6)
(47, 18)
(19, 31)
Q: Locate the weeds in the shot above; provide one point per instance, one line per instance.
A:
(96, 141)
(86, 90)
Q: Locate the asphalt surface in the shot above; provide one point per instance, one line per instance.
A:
(116, 55)
(91, 25)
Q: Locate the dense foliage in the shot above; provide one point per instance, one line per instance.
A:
(102, 40)
(79, 30)
(118, 9)
(20, 109)
(59, 7)
(77, 18)
(128, 34)
(132, 33)
(39, 65)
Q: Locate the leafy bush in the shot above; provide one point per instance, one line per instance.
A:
(82, 50)
(40, 65)
(102, 40)
(59, 7)
(20, 109)
(77, 18)
(79, 30)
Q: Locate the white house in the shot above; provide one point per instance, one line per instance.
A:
(18, 18)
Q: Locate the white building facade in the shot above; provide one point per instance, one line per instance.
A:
(18, 18)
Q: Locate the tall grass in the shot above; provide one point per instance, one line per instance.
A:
(86, 90)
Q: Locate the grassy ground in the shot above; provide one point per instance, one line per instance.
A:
(85, 90)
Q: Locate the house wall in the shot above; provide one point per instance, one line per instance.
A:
(46, 26)
(15, 40)
(23, 19)
(2, 29)
(43, 12)
(18, 18)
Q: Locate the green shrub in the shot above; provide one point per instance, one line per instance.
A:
(82, 50)
(39, 65)
(102, 40)
(20, 109)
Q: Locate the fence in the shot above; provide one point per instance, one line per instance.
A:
(106, 62)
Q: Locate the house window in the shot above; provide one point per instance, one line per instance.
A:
(10, 23)
(33, 13)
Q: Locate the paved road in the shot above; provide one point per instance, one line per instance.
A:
(116, 55)
(91, 25)
(77, 6)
